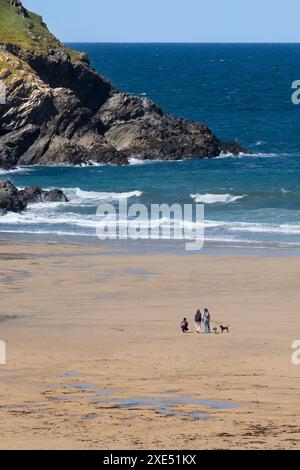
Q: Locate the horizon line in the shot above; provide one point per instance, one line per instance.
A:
(184, 42)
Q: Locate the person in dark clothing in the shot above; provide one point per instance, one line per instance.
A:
(198, 319)
(184, 325)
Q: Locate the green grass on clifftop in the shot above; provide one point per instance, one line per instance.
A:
(30, 33)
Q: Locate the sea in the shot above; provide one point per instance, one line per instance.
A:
(242, 92)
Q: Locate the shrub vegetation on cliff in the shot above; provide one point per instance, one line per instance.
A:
(27, 30)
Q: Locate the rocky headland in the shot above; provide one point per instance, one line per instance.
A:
(60, 111)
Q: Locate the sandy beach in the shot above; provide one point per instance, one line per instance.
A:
(95, 358)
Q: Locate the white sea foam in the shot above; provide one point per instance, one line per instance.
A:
(38, 231)
(77, 195)
(140, 161)
(39, 214)
(91, 163)
(224, 155)
(254, 154)
(15, 170)
(44, 205)
(260, 142)
(106, 195)
(47, 217)
(288, 229)
(215, 198)
(48, 220)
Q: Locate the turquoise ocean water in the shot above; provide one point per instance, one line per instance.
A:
(242, 92)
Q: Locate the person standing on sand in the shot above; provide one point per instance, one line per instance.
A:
(206, 321)
(198, 319)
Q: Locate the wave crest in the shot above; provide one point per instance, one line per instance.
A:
(79, 195)
(215, 198)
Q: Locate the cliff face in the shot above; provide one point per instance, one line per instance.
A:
(59, 110)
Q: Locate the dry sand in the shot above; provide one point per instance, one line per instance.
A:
(93, 333)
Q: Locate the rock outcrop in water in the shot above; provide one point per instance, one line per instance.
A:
(60, 111)
(14, 200)
(10, 198)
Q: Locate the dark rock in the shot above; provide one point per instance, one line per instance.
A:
(14, 144)
(122, 107)
(55, 195)
(10, 198)
(58, 71)
(33, 194)
(14, 200)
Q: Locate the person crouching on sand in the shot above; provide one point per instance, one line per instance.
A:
(184, 325)
(206, 321)
(198, 319)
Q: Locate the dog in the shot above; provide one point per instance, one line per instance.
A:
(224, 328)
(214, 330)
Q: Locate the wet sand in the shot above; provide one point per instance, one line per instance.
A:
(95, 358)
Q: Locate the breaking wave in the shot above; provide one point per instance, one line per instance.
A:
(215, 198)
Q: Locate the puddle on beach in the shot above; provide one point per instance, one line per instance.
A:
(69, 373)
(28, 405)
(185, 400)
(140, 272)
(107, 391)
(30, 408)
(108, 296)
(169, 405)
(107, 276)
(19, 256)
(91, 416)
(13, 276)
(62, 264)
(68, 398)
(4, 318)
(82, 386)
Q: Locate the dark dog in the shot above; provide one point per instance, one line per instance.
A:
(224, 328)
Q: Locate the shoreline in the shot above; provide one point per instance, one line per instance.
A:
(141, 247)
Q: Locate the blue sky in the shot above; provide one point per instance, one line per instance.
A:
(171, 20)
